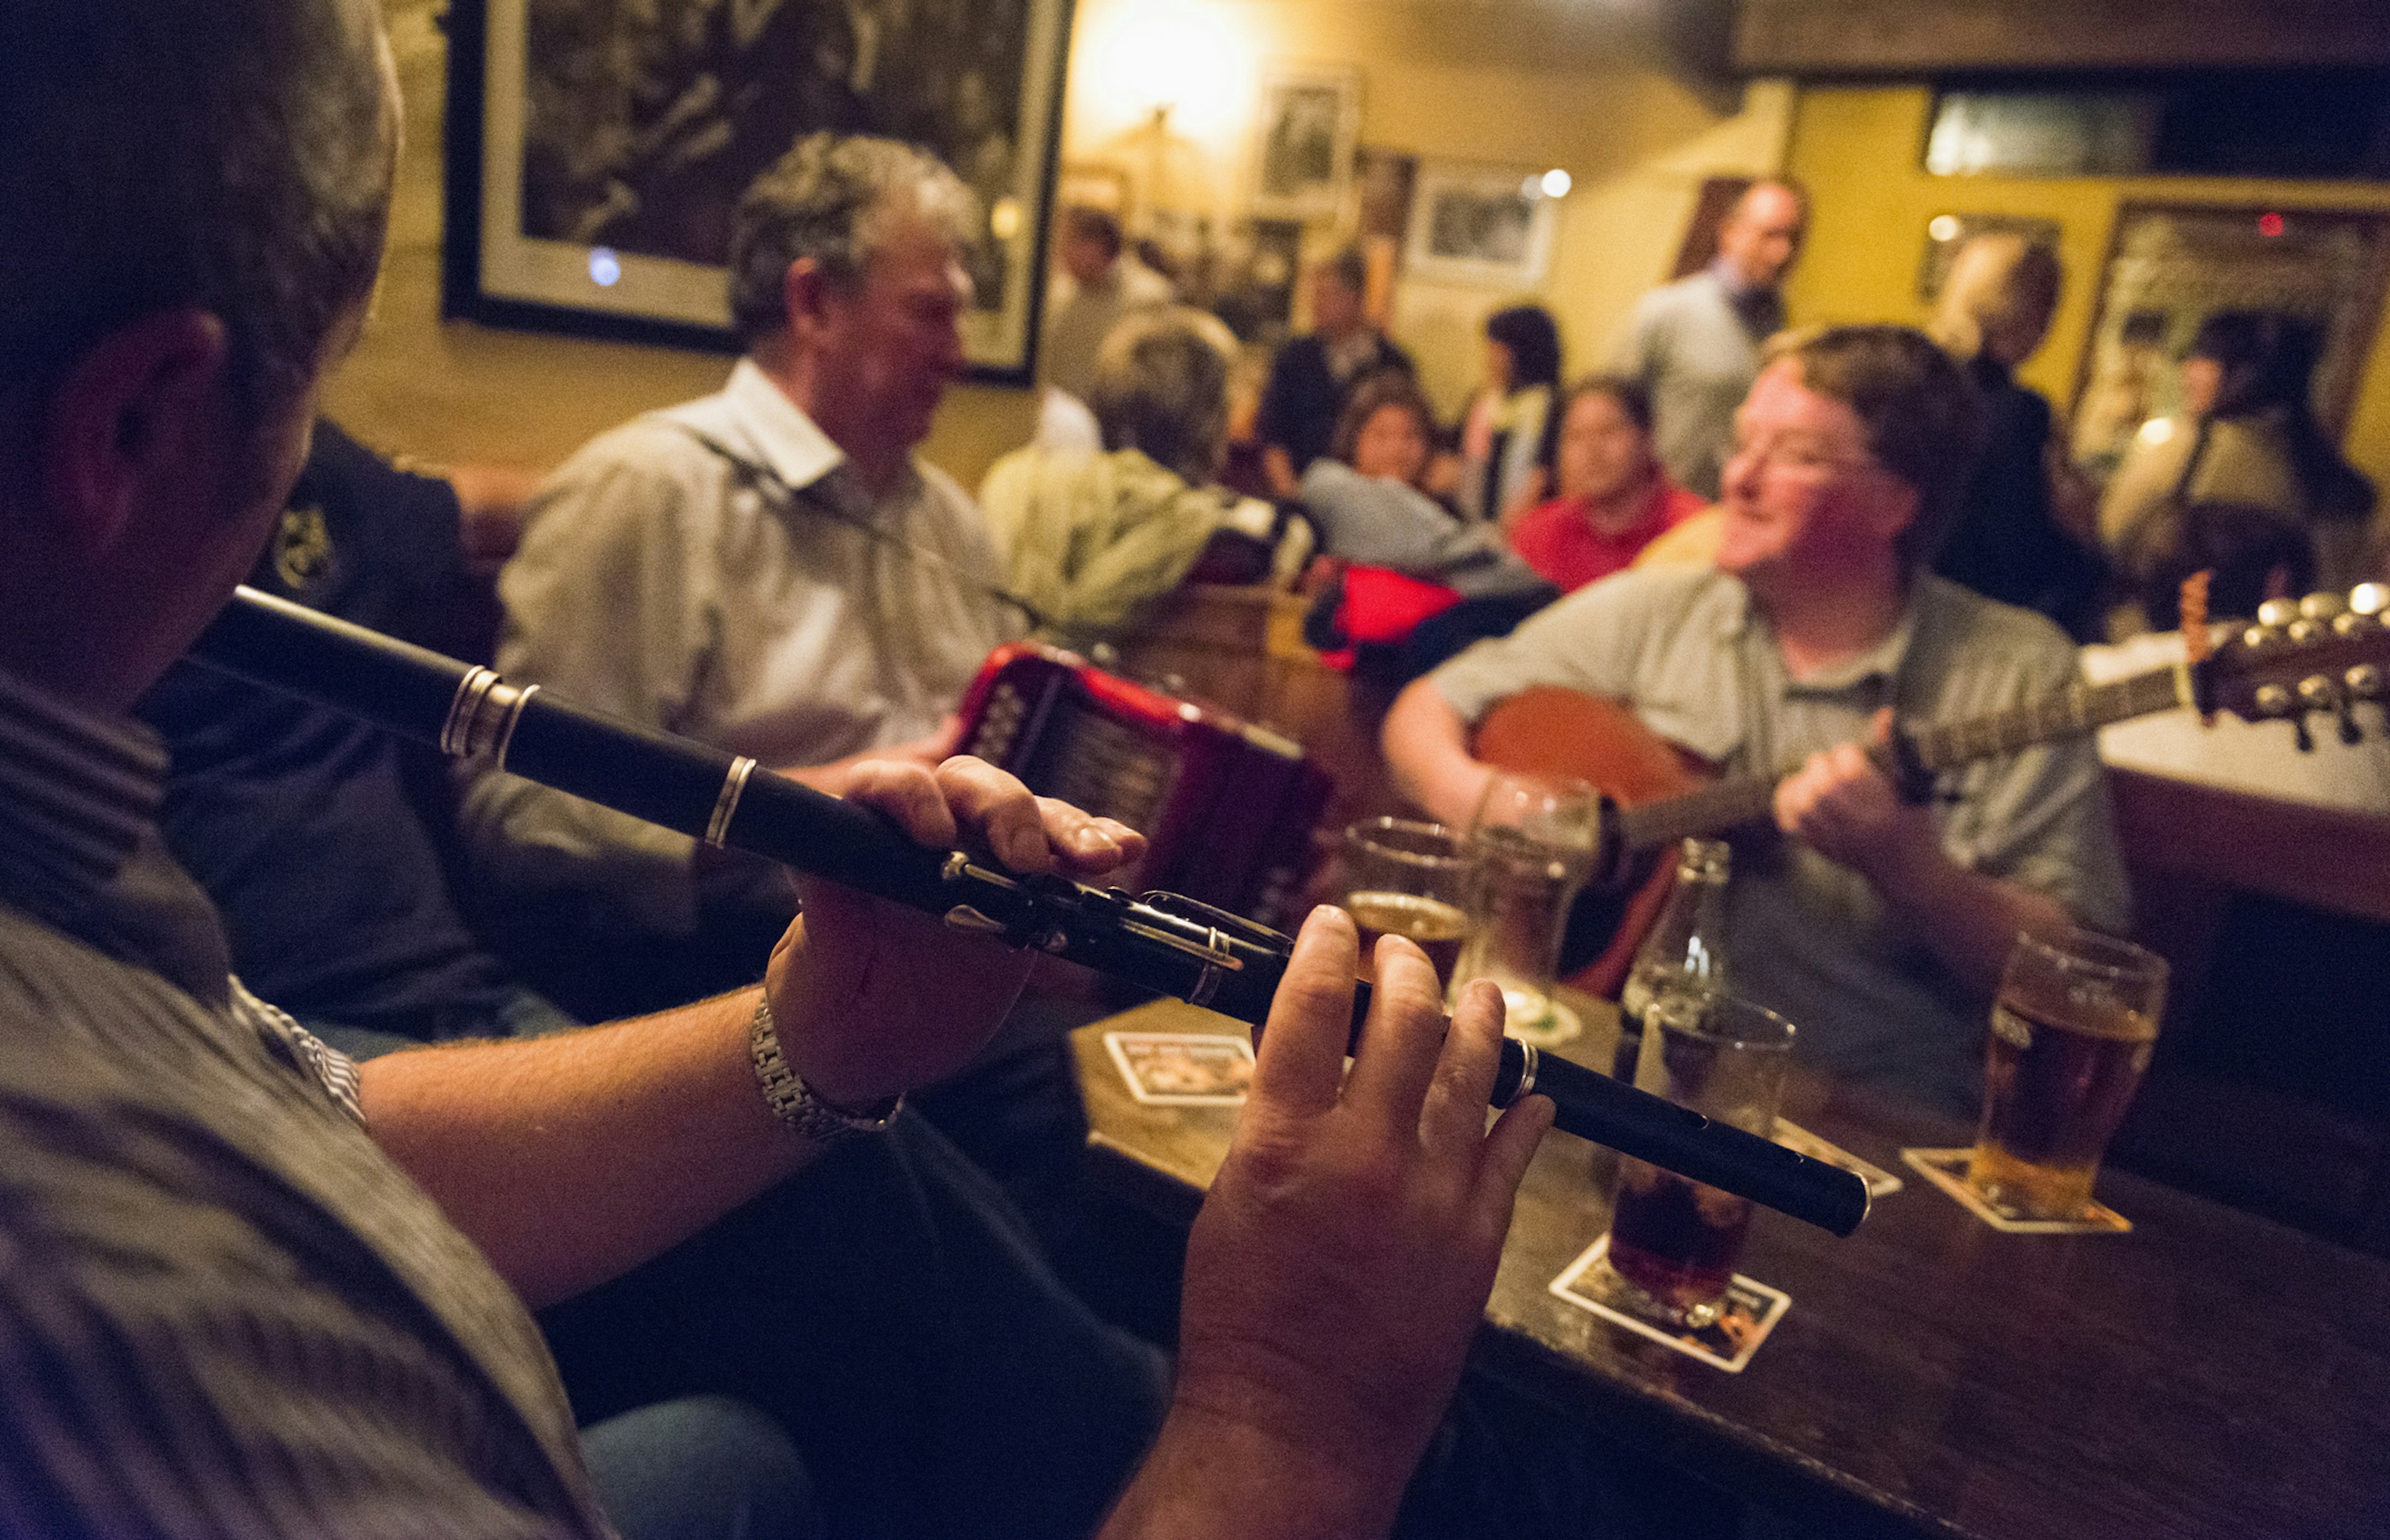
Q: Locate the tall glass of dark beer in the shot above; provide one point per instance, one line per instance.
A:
(2073, 1029)
(1674, 1242)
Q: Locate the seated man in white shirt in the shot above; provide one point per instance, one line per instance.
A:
(770, 570)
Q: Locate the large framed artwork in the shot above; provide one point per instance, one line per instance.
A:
(1480, 224)
(596, 147)
(2170, 266)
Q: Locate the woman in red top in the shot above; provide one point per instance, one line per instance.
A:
(1613, 497)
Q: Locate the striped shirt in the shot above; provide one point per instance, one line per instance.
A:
(223, 1311)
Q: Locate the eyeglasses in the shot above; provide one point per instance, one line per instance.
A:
(1801, 457)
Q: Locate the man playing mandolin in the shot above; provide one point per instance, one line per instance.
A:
(1876, 923)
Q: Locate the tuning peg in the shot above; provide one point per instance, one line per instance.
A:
(2321, 606)
(2273, 700)
(2370, 599)
(2277, 613)
(2364, 682)
(2350, 733)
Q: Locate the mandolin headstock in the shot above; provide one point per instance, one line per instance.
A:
(2323, 654)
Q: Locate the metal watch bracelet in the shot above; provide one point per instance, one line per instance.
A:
(797, 1104)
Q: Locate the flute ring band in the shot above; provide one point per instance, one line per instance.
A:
(1529, 1057)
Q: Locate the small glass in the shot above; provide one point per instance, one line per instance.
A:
(1674, 1242)
(2073, 1029)
(1406, 878)
(1531, 847)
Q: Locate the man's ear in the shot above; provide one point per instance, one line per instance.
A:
(805, 289)
(1896, 508)
(142, 409)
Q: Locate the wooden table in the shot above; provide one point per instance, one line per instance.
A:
(2209, 1374)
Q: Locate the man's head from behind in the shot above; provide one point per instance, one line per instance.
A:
(1762, 234)
(1161, 388)
(192, 204)
(846, 283)
(1855, 446)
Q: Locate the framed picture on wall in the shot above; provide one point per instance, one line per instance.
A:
(1480, 224)
(1303, 152)
(596, 151)
(2170, 266)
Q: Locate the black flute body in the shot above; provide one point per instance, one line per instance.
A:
(1156, 941)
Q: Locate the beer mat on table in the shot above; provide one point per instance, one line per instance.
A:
(1946, 1169)
(1751, 1313)
(1549, 1027)
(1183, 1068)
(1793, 1136)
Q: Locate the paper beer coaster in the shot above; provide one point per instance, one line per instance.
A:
(1750, 1313)
(1793, 1136)
(1946, 1169)
(1183, 1068)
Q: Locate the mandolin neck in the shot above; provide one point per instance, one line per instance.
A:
(2078, 709)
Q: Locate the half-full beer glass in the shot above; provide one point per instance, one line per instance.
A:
(2073, 1029)
(1406, 878)
(1674, 1242)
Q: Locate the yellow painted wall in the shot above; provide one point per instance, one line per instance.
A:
(1531, 85)
(1860, 152)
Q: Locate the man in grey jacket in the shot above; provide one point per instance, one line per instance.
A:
(1694, 344)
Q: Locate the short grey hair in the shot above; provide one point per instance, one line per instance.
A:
(235, 155)
(1161, 388)
(831, 198)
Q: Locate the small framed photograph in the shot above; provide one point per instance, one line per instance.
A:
(596, 151)
(1481, 224)
(1310, 120)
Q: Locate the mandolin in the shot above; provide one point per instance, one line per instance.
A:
(2318, 656)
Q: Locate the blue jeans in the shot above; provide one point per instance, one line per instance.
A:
(704, 1467)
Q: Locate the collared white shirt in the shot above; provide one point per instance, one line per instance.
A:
(714, 570)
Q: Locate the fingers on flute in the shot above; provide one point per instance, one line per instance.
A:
(1455, 1113)
(1088, 846)
(909, 794)
(1299, 1064)
(1402, 1039)
(998, 810)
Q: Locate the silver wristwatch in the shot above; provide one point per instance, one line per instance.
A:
(796, 1103)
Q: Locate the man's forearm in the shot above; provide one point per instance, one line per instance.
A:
(1971, 921)
(1426, 747)
(570, 1160)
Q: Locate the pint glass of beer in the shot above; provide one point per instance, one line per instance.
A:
(1409, 880)
(2073, 1028)
(1674, 1242)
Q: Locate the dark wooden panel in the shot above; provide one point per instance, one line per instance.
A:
(1911, 37)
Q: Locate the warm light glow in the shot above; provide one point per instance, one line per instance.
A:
(1943, 227)
(1190, 60)
(1004, 219)
(1557, 182)
(2157, 430)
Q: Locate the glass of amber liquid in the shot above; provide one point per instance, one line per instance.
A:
(1406, 878)
(2073, 1029)
(1674, 1242)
